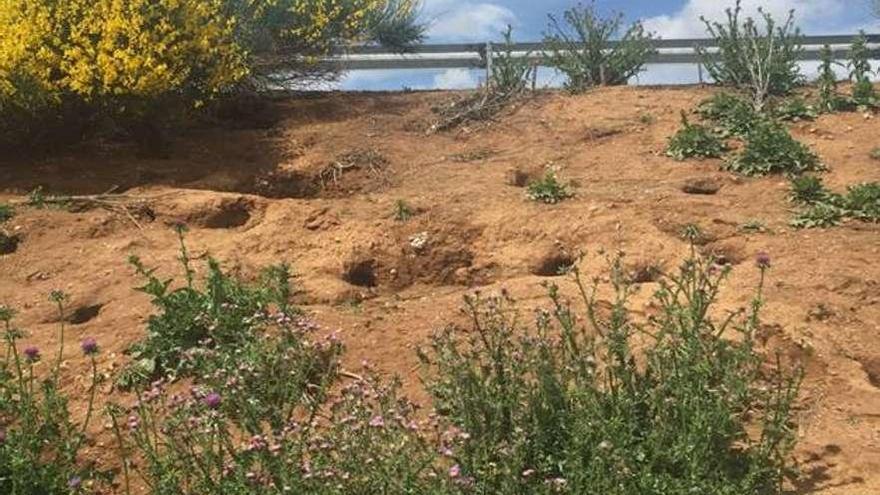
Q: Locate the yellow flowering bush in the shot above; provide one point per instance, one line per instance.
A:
(60, 58)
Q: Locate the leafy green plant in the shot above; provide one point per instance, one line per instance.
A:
(824, 208)
(224, 316)
(579, 47)
(863, 201)
(818, 215)
(770, 149)
(860, 73)
(548, 189)
(6, 212)
(808, 189)
(759, 59)
(793, 109)
(694, 140)
(511, 72)
(570, 404)
(39, 442)
(403, 211)
(732, 115)
(829, 99)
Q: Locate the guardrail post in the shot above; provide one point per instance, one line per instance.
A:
(489, 57)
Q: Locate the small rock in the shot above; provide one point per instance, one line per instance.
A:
(418, 241)
(701, 185)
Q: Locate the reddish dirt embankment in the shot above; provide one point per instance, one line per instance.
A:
(319, 188)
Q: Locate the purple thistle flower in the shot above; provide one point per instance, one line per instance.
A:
(89, 346)
(377, 422)
(74, 482)
(762, 259)
(32, 354)
(455, 471)
(212, 400)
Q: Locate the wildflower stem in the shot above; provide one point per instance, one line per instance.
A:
(92, 389)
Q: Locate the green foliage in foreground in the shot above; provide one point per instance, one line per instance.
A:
(567, 405)
(824, 208)
(695, 140)
(39, 442)
(224, 316)
(591, 400)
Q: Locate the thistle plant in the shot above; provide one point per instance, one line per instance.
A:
(567, 404)
(39, 442)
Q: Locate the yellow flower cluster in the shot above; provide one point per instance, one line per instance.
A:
(94, 48)
(323, 23)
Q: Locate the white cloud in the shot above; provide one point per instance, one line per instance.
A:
(455, 79)
(457, 21)
(811, 15)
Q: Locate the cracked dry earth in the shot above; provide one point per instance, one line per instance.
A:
(315, 182)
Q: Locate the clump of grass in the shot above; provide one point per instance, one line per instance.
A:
(770, 149)
(562, 405)
(731, 115)
(875, 153)
(694, 140)
(548, 189)
(403, 211)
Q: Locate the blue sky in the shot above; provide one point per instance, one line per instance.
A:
(482, 20)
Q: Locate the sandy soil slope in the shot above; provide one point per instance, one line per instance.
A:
(254, 196)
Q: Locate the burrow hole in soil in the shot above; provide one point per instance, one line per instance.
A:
(229, 215)
(554, 265)
(84, 314)
(8, 243)
(644, 273)
(726, 255)
(361, 273)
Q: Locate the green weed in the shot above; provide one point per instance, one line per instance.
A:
(568, 405)
(403, 212)
(6, 212)
(770, 149)
(694, 140)
(548, 189)
(732, 115)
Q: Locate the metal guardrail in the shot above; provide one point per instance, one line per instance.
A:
(474, 55)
